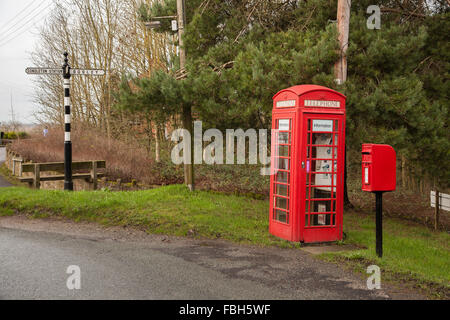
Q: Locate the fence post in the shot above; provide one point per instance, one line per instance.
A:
(436, 209)
(37, 176)
(94, 174)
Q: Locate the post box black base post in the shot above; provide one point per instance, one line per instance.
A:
(379, 223)
(68, 183)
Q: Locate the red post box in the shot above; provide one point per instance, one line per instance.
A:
(308, 149)
(379, 167)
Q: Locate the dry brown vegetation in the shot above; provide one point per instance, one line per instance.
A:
(124, 160)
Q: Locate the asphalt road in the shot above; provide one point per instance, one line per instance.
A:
(33, 265)
(3, 182)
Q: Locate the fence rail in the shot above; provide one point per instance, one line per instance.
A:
(53, 171)
(37, 168)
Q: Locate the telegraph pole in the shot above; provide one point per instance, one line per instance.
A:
(343, 25)
(186, 113)
(187, 110)
(340, 68)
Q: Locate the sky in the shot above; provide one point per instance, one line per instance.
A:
(19, 21)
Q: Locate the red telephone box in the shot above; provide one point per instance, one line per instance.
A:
(308, 148)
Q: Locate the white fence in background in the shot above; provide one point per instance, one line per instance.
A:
(444, 200)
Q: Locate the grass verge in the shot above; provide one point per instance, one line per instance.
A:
(411, 252)
(171, 210)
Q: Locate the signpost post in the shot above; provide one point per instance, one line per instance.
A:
(66, 71)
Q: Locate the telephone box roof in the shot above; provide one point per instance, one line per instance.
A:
(306, 88)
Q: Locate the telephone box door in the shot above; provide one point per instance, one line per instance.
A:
(282, 205)
(323, 162)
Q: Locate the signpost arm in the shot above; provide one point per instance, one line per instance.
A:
(68, 183)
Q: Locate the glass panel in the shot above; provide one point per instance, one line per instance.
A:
(319, 193)
(281, 203)
(283, 164)
(320, 220)
(283, 138)
(282, 190)
(281, 216)
(283, 151)
(283, 177)
(322, 139)
(284, 124)
(321, 206)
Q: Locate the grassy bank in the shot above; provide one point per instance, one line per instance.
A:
(412, 254)
(169, 210)
(411, 251)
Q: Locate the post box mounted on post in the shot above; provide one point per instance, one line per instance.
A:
(379, 167)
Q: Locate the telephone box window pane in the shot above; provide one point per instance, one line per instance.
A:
(283, 138)
(320, 206)
(282, 190)
(284, 124)
(282, 203)
(283, 164)
(323, 139)
(320, 220)
(283, 151)
(320, 192)
(283, 177)
(281, 216)
(333, 209)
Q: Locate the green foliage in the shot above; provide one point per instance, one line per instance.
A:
(240, 53)
(14, 135)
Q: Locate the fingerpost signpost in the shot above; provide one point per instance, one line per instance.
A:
(66, 71)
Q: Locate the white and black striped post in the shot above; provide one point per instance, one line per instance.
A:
(68, 183)
(66, 71)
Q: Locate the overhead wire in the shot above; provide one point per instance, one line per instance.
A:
(18, 14)
(5, 40)
(20, 20)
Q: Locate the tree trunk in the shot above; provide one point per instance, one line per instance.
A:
(157, 144)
